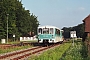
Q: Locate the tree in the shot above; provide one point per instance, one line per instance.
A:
(20, 22)
(79, 30)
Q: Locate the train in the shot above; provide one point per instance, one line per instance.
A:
(49, 34)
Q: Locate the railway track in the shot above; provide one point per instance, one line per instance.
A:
(23, 54)
(7, 46)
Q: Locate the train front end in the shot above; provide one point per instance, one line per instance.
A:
(46, 35)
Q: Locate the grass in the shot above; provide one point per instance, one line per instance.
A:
(10, 49)
(76, 52)
(52, 54)
(14, 49)
(65, 52)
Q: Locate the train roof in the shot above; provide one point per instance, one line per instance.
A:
(48, 26)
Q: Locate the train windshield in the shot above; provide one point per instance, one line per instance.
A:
(45, 30)
(51, 30)
(40, 30)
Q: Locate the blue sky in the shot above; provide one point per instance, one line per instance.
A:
(60, 13)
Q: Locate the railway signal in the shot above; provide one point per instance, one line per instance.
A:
(73, 35)
(14, 37)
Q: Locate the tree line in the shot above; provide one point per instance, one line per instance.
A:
(20, 21)
(79, 30)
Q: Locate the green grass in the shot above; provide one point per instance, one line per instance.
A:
(65, 51)
(76, 52)
(52, 54)
(14, 49)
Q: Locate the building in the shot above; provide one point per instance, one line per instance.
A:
(87, 25)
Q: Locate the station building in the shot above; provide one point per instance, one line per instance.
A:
(87, 26)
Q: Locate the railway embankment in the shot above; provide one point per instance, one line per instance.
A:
(77, 52)
(52, 54)
(64, 51)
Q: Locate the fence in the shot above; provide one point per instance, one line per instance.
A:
(27, 38)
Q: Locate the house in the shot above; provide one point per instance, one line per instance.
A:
(87, 26)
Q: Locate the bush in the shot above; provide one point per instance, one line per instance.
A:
(76, 52)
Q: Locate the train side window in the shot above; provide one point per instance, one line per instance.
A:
(40, 31)
(57, 32)
(51, 30)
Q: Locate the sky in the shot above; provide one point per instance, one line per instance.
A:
(59, 13)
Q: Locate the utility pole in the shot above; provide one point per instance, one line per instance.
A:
(7, 28)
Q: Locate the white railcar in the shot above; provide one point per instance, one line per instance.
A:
(49, 34)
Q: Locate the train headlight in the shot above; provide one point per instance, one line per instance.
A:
(50, 39)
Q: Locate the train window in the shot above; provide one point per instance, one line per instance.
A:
(45, 30)
(40, 30)
(57, 32)
(51, 30)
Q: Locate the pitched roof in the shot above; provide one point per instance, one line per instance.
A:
(86, 18)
